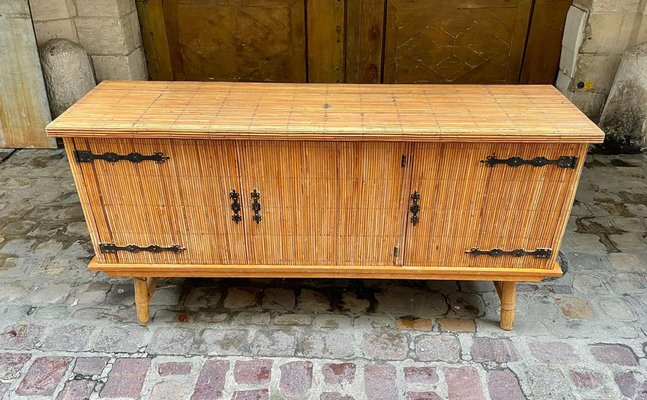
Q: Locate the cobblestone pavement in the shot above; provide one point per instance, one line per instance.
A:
(69, 333)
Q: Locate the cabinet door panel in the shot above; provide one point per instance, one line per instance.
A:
(466, 204)
(324, 203)
(184, 200)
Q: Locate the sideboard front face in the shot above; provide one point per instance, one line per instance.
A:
(325, 203)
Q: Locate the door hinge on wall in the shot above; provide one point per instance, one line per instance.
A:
(404, 161)
(396, 251)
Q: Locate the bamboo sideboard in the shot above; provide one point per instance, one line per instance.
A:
(184, 179)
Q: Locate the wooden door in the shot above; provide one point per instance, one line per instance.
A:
(231, 40)
(324, 203)
(455, 41)
(358, 41)
(466, 204)
(184, 201)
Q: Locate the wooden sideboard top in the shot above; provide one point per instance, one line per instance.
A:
(344, 112)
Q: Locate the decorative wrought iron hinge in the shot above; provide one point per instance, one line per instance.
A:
(131, 248)
(88, 156)
(256, 206)
(235, 206)
(539, 253)
(415, 208)
(561, 162)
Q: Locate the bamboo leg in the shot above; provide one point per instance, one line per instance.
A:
(507, 292)
(144, 289)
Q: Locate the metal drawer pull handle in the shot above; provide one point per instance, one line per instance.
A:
(561, 162)
(131, 248)
(256, 206)
(539, 253)
(235, 206)
(415, 208)
(88, 156)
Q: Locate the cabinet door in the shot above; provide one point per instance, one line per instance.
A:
(323, 203)
(184, 201)
(466, 204)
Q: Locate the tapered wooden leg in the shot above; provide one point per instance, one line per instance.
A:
(508, 295)
(144, 289)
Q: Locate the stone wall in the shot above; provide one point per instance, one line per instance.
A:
(107, 29)
(612, 27)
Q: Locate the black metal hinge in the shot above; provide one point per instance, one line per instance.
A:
(235, 206)
(256, 206)
(415, 208)
(404, 161)
(561, 162)
(131, 248)
(88, 156)
(539, 253)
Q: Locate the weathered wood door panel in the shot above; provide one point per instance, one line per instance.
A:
(249, 40)
(324, 203)
(183, 201)
(455, 41)
(466, 204)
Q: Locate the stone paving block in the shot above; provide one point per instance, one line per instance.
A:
(203, 298)
(632, 384)
(422, 396)
(12, 363)
(4, 388)
(587, 380)
(380, 382)
(274, 343)
(575, 307)
(296, 379)
(385, 345)
(548, 382)
(629, 242)
(332, 344)
(211, 381)
(293, 319)
(89, 366)
(20, 336)
(425, 375)
(627, 283)
(589, 284)
(253, 371)
(245, 318)
(629, 262)
(617, 354)
(417, 324)
(335, 396)
(280, 299)
(224, 341)
(121, 339)
(338, 373)
(553, 352)
(170, 340)
(618, 309)
(77, 389)
(174, 368)
(126, 378)
(256, 394)
(69, 337)
(43, 376)
(497, 350)
(503, 385)
(332, 321)
(400, 301)
(241, 297)
(167, 390)
(168, 295)
(456, 325)
(466, 305)
(463, 384)
(438, 348)
(313, 301)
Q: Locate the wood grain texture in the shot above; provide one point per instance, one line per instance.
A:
(236, 40)
(343, 112)
(544, 44)
(450, 41)
(154, 39)
(326, 24)
(364, 41)
(325, 271)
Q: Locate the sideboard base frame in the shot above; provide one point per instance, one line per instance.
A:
(505, 279)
